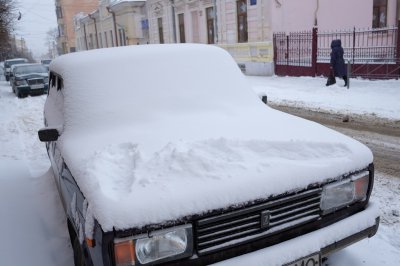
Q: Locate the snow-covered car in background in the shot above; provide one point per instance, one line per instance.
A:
(8, 63)
(46, 62)
(29, 79)
(167, 156)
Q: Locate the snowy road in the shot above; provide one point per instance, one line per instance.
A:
(34, 230)
(33, 225)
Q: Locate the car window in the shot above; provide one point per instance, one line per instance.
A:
(14, 62)
(54, 105)
(23, 70)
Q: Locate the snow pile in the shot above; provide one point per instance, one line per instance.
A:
(372, 97)
(146, 148)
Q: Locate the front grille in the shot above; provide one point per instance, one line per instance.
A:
(35, 81)
(238, 227)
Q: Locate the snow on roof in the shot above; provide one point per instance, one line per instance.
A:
(15, 59)
(113, 3)
(156, 132)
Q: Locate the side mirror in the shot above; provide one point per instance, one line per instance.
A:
(48, 134)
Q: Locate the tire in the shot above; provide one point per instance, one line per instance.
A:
(79, 259)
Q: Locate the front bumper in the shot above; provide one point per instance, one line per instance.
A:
(26, 89)
(324, 241)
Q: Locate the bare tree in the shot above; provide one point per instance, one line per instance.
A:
(51, 42)
(8, 17)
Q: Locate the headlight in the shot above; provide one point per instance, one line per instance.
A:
(46, 80)
(21, 82)
(163, 245)
(343, 193)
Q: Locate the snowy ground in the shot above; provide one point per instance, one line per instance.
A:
(33, 225)
(374, 98)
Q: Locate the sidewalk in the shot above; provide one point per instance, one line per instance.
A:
(380, 98)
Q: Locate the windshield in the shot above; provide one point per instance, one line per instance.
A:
(23, 70)
(10, 63)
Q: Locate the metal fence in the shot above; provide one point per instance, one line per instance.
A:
(373, 53)
(361, 45)
(294, 49)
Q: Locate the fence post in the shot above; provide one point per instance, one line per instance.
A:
(287, 49)
(348, 73)
(274, 47)
(314, 50)
(398, 46)
(354, 43)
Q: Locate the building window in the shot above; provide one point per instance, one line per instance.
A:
(242, 20)
(379, 14)
(111, 38)
(83, 43)
(100, 41)
(181, 23)
(60, 30)
(160, 30)
(59, 13)
(122, 37)
(210, 24)
(90, 41)
(105, 39)
(64, 48)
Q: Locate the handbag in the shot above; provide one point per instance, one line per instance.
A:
(331, 78)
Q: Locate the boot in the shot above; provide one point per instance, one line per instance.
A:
(345, 80)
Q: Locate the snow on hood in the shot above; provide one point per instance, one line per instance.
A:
(179, 132)
(43, 75)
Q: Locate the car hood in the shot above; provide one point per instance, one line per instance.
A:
(32, 75)
(134, 177)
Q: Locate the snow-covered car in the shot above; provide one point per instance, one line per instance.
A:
(29, 79)
(8, 63)
(163, 154)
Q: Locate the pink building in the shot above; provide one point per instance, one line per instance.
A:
(295, 15)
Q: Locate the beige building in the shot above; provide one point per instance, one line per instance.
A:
(242, 27)
(113, 23)
(65, 12)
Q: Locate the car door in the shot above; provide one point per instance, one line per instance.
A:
(53, 118)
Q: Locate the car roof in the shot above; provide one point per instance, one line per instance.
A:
(24, 65)
(142, 77)
(16, 59)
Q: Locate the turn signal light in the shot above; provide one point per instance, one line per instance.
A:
(124, 253)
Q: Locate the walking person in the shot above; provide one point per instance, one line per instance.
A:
(337, 61)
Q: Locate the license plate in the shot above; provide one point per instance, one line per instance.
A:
(312, 260)
(36, 87)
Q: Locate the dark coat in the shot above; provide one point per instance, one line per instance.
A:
(337, 60)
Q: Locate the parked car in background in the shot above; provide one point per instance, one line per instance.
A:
(45, 62)
(8, 63)
(1, 70)
(29, 79)
(154, 168)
